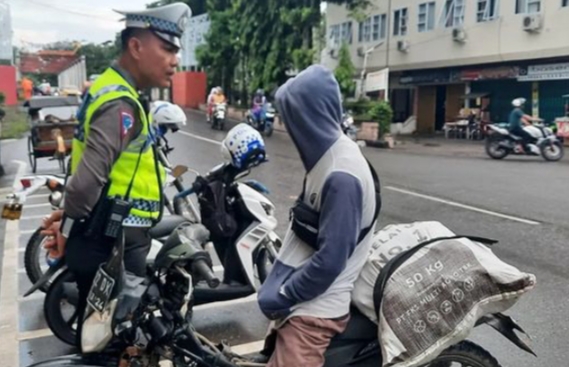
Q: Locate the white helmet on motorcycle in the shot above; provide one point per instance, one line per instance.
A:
(243, 147)
(518, 102)
(168, 115)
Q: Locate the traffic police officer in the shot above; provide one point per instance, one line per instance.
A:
(112, 151)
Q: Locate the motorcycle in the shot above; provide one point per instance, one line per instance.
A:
(35, 254)
(246, 255)
(500, 142)
(219, 111)
(160, 308)
(265, 124)
(348, 126)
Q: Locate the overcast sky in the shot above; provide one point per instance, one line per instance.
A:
(45, 21)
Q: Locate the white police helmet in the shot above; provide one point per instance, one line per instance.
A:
(168, 114)
(243, 147)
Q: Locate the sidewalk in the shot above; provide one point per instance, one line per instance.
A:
(439, 146)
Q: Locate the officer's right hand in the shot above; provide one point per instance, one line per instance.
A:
(54, 217)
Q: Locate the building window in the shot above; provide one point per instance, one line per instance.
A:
(453, 13)
(334, 35)
(400, 22)
(487, 10)
(426, 17)
(528, 6)
(379, 27)
(365, 31)
(346, 32)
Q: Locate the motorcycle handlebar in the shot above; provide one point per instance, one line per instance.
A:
(200, 267)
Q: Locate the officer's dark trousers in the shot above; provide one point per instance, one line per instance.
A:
(84, 255)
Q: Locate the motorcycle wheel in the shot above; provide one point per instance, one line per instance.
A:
(493, 148)
(33, 257)
(465, 354)
(62, 292)
(213, 123)
(269, 131)
(552, 153)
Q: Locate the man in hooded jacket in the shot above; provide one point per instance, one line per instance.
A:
(308, 292)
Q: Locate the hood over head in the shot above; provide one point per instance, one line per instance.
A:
(311, 109)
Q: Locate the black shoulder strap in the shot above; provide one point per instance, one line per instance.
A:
(377, 189)
(398, 260)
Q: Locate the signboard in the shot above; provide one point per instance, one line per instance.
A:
(193, 36)
(376, 81)
(558, 71)
(433, 77)
(504, 72)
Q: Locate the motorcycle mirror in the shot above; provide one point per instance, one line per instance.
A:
(179, 170)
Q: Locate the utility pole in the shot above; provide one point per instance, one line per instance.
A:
(363, 73)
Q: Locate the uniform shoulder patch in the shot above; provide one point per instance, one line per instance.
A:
(127, 122)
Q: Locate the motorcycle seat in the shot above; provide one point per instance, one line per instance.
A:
(515, 137)
(360, 327)
(166, 226)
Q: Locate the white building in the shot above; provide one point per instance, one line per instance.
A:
(196, 29)
(438, 51)
(6, 51)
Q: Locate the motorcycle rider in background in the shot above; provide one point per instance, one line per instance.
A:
(517, 121)
(258, 108)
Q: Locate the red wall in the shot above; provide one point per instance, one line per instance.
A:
(8, 84)
(189, 89)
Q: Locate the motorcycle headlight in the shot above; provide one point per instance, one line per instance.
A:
(269, 209)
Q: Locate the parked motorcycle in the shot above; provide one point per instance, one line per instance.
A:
(246, 255)
(500, 142)
(35, 253)
(219, 112)
(265, 124)
(348, 126)
(160, 307)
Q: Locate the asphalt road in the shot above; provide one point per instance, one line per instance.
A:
(519, 201)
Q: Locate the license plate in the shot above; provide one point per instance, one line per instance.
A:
(12, 211)
(101, 290)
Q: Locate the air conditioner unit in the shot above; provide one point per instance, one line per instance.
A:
(533, 23)
(459, 35)
(361, 51)
(403, 46)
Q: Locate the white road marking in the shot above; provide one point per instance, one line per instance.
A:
(9, 348)
(35, 196)
(28, 206)
(462, 206)
(33, 217)
(248, 348)
(208, 306)
(34, 334)
(199, 137)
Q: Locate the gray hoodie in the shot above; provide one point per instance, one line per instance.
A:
(339, 186)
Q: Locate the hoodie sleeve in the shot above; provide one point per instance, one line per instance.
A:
(339, 228)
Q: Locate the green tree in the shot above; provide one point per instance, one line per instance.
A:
(382, 112)
(99, 57)
(198, 6)
(345, 72)
(257, 44)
